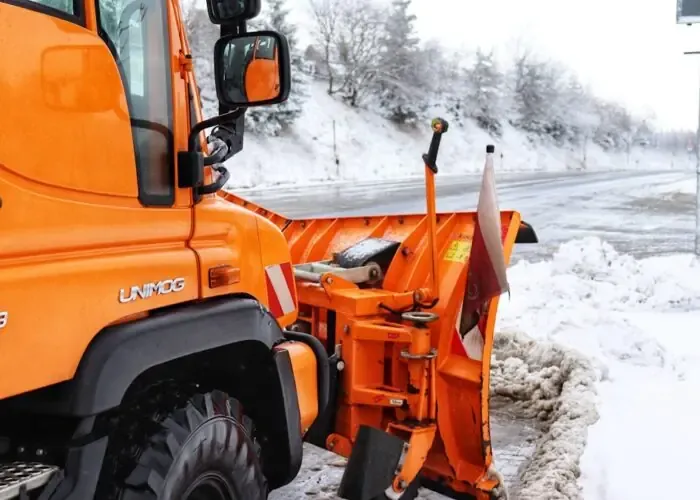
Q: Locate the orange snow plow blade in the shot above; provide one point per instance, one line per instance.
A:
(389, 378)
(385, 295)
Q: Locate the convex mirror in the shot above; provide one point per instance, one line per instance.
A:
(252, 69)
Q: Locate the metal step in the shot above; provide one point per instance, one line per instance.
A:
(15, 475)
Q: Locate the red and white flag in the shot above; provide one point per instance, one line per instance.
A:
(487, 268)
(487, 265)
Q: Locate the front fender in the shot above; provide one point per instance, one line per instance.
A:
(120, 353)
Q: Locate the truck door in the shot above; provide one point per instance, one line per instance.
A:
(94, 227)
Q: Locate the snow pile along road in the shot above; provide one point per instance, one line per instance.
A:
(554, 385)
(637, 323)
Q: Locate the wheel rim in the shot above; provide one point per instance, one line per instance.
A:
(211, 486)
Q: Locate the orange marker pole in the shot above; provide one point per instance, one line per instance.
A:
(439, 127)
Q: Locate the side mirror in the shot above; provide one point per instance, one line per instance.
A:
(252, 69)
(231, 11)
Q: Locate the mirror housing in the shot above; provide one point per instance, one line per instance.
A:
(252, 69)
(232, 11)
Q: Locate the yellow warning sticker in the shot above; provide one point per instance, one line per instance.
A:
(458, 251)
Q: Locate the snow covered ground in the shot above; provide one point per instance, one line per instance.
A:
(369, 147)
(635, 324)
(682, 187)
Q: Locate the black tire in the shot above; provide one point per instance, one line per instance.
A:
(201, 450)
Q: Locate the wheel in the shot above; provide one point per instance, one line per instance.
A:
(201, 450)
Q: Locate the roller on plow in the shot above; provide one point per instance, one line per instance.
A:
(163, 339)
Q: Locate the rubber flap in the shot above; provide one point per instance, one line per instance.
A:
(371, 466)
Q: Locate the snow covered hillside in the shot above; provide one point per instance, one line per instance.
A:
(365, 87)
(370, 147)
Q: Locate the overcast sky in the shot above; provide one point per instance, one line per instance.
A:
(628, 50)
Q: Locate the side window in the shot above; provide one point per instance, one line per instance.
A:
(136, 33)
(56, 7)
(65, 6)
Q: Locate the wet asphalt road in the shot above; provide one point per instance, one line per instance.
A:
(622, 207)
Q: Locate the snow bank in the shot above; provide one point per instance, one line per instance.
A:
(586, 285)
(369, 147)
(668, 191)
(683, 187)
(636, 322)
(556, 385)
(687, 187)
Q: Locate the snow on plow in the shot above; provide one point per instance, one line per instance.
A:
(386, 297)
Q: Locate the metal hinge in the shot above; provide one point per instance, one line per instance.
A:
(185, 62)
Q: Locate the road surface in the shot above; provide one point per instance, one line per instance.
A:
(626, 209)
(621, 207)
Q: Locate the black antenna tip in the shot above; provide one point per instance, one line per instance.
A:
(490, 148)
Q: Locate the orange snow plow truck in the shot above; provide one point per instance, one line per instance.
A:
(161, 338)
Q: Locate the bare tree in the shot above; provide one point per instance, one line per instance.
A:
(537, 87)
(350, 35)
(359, 46)
(326, 14)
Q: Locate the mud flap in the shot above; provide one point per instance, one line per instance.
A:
(371, 466)
(323, 426)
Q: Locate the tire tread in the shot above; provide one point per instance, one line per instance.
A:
(163, 435)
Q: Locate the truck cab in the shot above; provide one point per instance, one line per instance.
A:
(133, 298)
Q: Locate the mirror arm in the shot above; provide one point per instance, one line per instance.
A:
(205, 124)
(228, 136)
(190, 163)
(218, 154)
(219, 183)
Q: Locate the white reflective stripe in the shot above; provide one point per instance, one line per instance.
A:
(459, 318)
(279, 284)
(473, 343)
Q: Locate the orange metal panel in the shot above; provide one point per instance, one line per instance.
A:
(306, 380)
